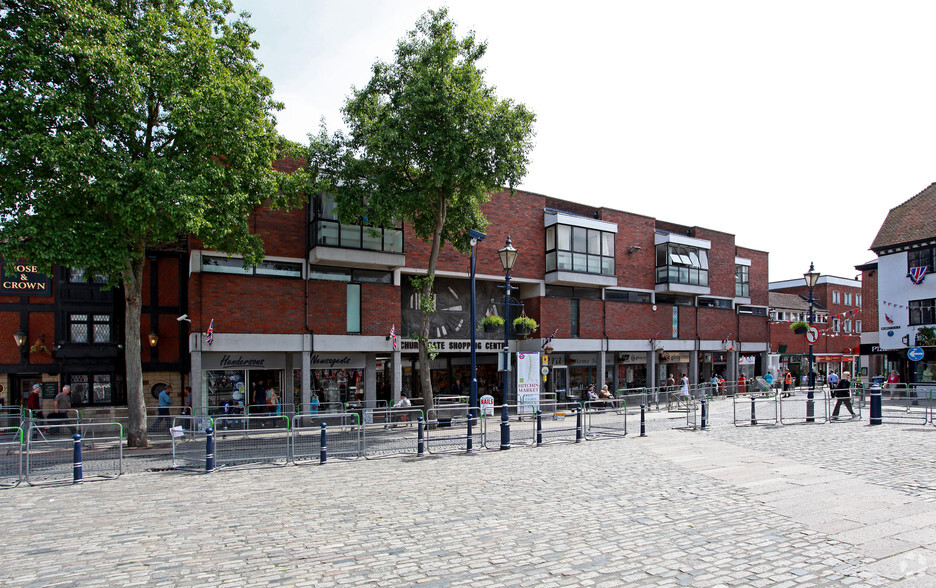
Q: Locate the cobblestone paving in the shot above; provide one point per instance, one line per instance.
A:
(831, 504)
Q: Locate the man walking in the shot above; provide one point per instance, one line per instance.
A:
(162, 411)
(63, 405)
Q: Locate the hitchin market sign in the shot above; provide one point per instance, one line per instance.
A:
(22, 279)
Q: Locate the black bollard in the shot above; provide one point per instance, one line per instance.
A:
(209, 450)
(505, 430)
(323, 448)
(643, 421)
(420, 443)
(469, 442)
(704, 413)
(753, 412)
(539, 428)
(876, 409)
(76, 477)
(578, 424)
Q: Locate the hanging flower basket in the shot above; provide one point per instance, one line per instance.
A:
(492, 323)
(799, 327)
(524, 325)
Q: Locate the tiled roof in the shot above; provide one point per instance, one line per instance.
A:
(791, 302)
(914, 220)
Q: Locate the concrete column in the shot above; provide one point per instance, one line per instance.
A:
(199, 386)
(306, 379)
(694, 367)
(370, 378)
(397, 384)
(601, 370)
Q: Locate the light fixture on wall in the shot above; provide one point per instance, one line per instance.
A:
(20, 337)
(153, 339)
(633, 249)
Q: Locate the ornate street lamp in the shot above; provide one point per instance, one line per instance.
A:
(812, 278)
(19, 337)
(476, 237)
(508, 257)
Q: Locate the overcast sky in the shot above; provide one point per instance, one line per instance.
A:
(795, 125)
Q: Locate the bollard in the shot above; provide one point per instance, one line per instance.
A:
(876, 408)
(323, 448)
(578, 424)
(420, 443)
(469, 443)
(77, 459)
(753, 412)
(505, 430)
(209, 450)
(539, 428)
(643, 421)
(704, 413)
(810, 407)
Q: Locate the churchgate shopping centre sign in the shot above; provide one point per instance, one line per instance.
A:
(22, 279)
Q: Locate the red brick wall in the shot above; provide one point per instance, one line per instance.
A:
(869, 301)
(760, 284)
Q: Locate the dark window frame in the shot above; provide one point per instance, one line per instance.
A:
(922, 312)
(583, 250)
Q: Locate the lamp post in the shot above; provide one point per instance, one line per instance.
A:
(812, 277)
(476, 237)
(508, 257)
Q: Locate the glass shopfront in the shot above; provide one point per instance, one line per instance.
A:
(632, 370)
(337, 378)
(243, 380)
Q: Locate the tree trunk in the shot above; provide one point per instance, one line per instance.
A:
(133, 303)
(427, 313)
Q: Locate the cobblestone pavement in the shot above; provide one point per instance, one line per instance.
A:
(836, 503)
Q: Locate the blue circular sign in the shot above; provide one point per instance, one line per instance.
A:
(915, 354)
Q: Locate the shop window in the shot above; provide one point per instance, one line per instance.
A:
(354, 308)
(922, 312)
(681, 264)
(579, 249)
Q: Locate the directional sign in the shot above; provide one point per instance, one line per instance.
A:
(915, 354)
(812, 335)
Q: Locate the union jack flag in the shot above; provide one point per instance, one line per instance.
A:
(393, 335)
(209, 335)
(917, 274)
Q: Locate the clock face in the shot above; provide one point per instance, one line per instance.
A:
(452, 317)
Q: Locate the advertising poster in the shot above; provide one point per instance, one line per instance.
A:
(528, 383)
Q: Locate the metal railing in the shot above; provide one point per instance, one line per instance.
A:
(11, 456)
(604, 418)
(50, 458)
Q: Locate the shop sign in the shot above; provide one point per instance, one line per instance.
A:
(243, 361)
(557, 359)
(746, 360)
(453, 345)
(337, 361)
(22, 279)
(640, 357)
(674, 357)
(582, 359)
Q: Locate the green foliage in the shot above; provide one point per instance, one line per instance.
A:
(798, 325)
(128, 124)
(524, 324)
(492, 320)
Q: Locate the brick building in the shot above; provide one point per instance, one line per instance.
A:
(837, 315)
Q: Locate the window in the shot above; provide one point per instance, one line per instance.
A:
(578, 249)
(857, 326)
(922, 257)
(752, 310)
(848, 298)
(858, 300)
(78, 275)
(846, 326)
(742, 281)
(354, 308)
(232, 265)
(921, 312)
(835, 325)
(835, 297)
(626, 296)
(329, 232)
(574, 315)
(681, 264)
(714, 303)
(675, 300)
(89, 328)
(91, 389)
(356, 276)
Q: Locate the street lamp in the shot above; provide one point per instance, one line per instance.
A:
(812, 278)
(476, 237)
(19, 337)
(508, 257)
(153, 339)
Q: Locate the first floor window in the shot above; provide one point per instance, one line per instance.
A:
(354, 308)
(89, 328)
(922, 311)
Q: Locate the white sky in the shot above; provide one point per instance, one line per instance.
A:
(738, 116)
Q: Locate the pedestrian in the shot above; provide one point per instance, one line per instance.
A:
(34, 404)
(787, 383)
(892, 381)
(684, 389)
(403, 404)
(714, 383)
(842, 394)
(832, 379)
(162, 410)
(62, 405)
(188, 401)
(742, 384)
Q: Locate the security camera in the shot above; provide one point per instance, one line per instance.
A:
(184, 317)
(476, 234)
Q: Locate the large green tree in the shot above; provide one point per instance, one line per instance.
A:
(428, 141)
(125, 124)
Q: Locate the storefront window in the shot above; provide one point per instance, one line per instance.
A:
(337, 386)
(926, 371)
(226, 386)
